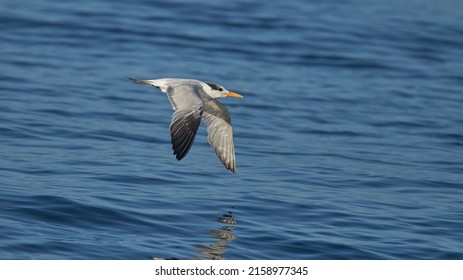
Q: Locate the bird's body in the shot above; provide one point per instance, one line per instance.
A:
(191, 101)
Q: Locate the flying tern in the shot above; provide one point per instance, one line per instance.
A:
(192, 100)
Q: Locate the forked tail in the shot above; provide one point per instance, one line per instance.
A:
(141, 82)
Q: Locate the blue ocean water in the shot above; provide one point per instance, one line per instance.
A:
(349, 141)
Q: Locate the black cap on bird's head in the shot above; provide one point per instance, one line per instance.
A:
(226, 93)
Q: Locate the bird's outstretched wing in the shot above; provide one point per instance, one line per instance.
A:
(184, 96)
(220, 133)
(188, 108)
(183, 130)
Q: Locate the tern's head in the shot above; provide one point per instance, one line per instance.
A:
(218, 91)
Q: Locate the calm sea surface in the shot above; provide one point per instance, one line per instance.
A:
(349, 141)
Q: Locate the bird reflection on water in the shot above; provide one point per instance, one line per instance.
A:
(218, 247)
(223, 236)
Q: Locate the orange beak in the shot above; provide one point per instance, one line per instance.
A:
(234, 94)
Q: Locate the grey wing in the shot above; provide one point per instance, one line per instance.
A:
(220, 133)
(184, 94)
(186, 118)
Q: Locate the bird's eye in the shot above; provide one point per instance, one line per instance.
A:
(220, 89)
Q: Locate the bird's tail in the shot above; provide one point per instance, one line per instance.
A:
(141, 82)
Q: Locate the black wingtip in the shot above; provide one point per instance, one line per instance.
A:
(179, 156)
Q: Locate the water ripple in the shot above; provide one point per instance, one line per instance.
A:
(348, 141)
